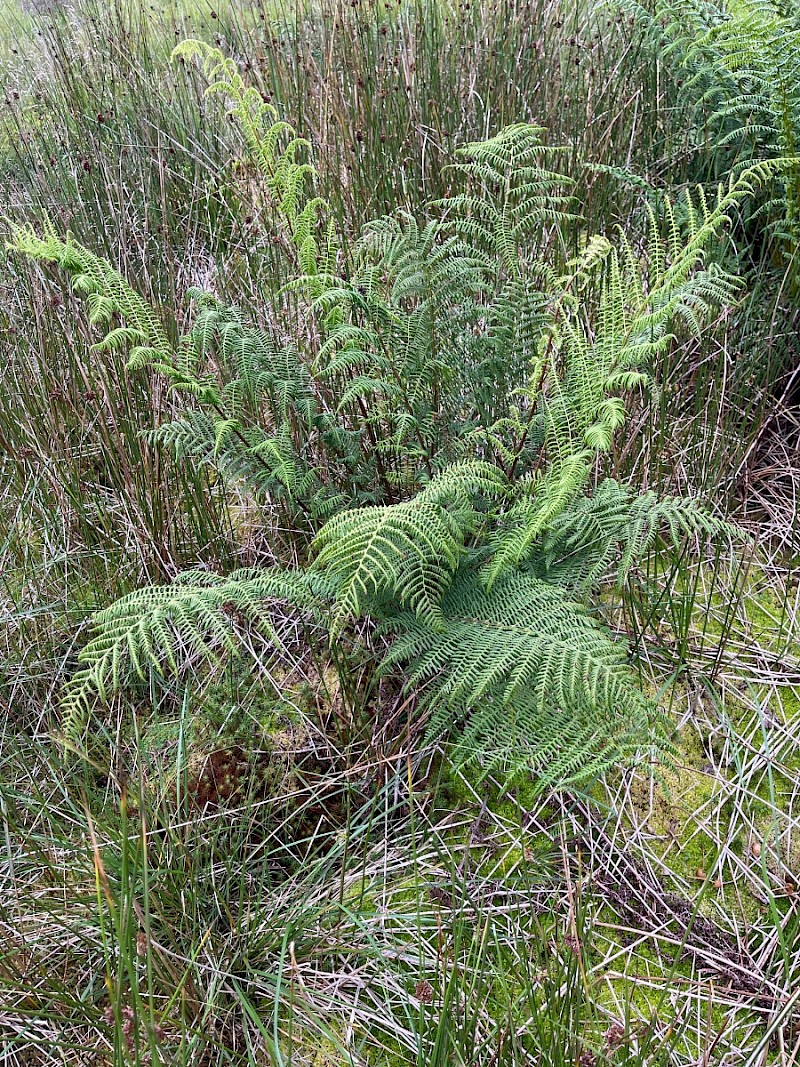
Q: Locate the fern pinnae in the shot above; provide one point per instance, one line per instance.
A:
(107, 293)
(196, 620)
(518, 654)
(278, 152)
(407, 550)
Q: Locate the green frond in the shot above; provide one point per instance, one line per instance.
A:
(107, 294)
(466, 481)
(404, 551)
(738, 64)
(515, 198)
(530, 674)
(282, 157)
(614, 528)
(539, 502)
(197, 621)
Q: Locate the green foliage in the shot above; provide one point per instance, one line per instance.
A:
(199, 621)
(420, 427)
(616, 527)
(278, 153)
(736, 62)
(407, 551)
(107, 294)
(514, 200)
(539, 682)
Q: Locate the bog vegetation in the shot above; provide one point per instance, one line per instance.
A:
(400, 460)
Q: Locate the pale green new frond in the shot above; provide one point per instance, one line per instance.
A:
(280, 154)
(597, 353)
(107, 293)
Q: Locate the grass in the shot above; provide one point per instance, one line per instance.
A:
(279, 876)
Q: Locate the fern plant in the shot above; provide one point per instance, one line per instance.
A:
(736, 63)
(427, 452)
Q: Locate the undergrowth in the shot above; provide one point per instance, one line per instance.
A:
(399, 444)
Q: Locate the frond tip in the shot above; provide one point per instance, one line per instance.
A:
(107, 294)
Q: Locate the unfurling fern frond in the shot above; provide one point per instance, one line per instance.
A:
(199, 620)
(107, 293)
(531, 675)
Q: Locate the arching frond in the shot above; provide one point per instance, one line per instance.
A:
(407, 551)
(614, 528)
(532, 676)
(197, 621)
(107, 293)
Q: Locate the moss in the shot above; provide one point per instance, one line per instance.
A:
(312, 1049)
(495, 824)
(327, 1055)
(647, 983)
(669, 809)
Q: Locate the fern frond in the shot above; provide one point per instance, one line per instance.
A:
(614, 528)
(197, 621)
(107, 292)
(539, 502)
(516, 196)
(406, 551)
(519, 665)
(278, 152)
(738, 64)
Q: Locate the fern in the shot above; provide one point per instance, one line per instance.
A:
(420, 450)
(509, 663)
(278, 152)
(407, 551)
(107, 294)
(514, 198)
(615, 528)
(197, 621)
(737, 62)
(589, 362)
